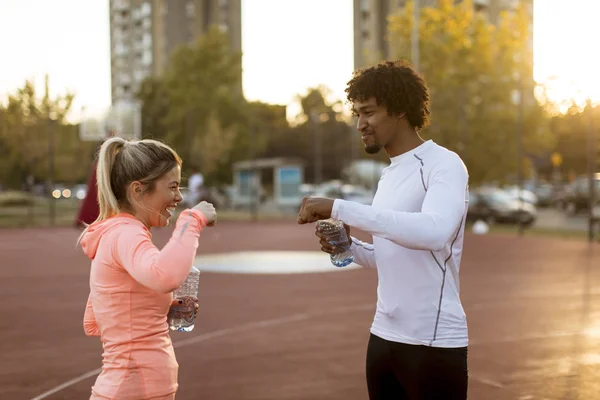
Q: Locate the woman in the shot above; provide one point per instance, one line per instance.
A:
(131, 281)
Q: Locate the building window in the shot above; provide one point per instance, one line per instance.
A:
(124, 79)
(364, 5)
(365, 35)
(121, 49)
(147, 40)
(147, 57)
(120, 63)
(190, 9)
(139, 75)
(120, 5)
(146, 9)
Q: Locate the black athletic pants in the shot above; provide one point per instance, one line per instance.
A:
(398, 371)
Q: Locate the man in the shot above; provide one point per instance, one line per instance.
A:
(196, 187)
(418, 343)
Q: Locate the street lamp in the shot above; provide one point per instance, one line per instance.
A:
(414, 37)
(591, 144)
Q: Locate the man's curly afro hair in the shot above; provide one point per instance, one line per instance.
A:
(396, 86)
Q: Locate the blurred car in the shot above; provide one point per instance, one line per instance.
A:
(577, 196)
(496, 206)
(525, 195)
(336, 190)
(545, 195)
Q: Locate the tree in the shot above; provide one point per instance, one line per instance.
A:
(321, 138)
(155, 106)
(25, 124)
(571, 130)
(474, 69)
(202, 83)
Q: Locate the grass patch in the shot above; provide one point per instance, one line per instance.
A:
(14, 198)
(37, 213)
(539, 232)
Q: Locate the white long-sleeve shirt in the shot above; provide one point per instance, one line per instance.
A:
(417, 223)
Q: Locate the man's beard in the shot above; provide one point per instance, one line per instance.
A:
(373, 148)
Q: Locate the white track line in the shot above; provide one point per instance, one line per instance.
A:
(68, 383)
(485, 381)
(216, 334)
(303, 317)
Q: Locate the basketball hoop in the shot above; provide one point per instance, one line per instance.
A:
(91, 127)
(123, 119)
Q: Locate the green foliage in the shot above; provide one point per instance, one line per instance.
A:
(202, 83)
(572, 131)
(12, 198)
(197, 106)
(320, 133)
(474, 69)
(155, 105)
(28, 123)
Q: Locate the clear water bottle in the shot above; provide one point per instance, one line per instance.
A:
(336, 235)
(181, 316)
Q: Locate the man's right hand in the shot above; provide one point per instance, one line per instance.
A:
(325, 245)
(209, 212)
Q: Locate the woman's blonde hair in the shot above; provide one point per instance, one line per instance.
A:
(121, 162)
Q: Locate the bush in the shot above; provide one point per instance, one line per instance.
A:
(14, 198)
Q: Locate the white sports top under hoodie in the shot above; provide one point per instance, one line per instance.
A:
(417, 221)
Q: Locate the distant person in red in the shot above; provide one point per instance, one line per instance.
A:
(89, 207)
(89, 210)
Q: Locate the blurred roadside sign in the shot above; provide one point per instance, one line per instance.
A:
(91, 126)
(123, 119)
(556, 159)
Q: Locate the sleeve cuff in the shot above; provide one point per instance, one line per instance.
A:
(335, 210)
(197, 215)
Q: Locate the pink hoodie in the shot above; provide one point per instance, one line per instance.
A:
(131, 284)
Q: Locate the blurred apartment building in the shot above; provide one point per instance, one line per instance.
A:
(144, 34)
(370, 25)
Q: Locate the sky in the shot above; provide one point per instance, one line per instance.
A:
(309, 43)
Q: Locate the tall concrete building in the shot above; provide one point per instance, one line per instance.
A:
(371, 24)
(144, 34)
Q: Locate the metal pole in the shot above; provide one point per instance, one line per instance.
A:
(318, 156)
(414, 37)
(189, 137)
(591, 169)
(520, 129)
(253, 174)
(51, 171)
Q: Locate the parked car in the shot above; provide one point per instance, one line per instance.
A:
(495, 206)
(576, 197)
(336, 190)
(545, 195)
(525, 195)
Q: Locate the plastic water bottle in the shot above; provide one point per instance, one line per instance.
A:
(336, 235)
(181, 316)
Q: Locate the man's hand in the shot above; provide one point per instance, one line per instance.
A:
(328, 247)
(314, 209)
